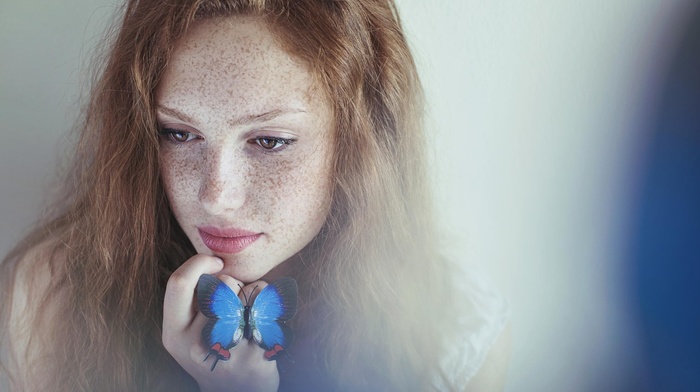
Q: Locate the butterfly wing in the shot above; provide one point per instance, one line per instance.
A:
(273, 306)
(225, 312)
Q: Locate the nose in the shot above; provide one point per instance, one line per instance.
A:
(223, 180)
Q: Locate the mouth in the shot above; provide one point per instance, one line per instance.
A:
(227, 241)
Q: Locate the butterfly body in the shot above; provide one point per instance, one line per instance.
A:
(262, 321)
(246, 317)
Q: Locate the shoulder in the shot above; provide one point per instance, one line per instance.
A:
(30, 304)
(476, 357)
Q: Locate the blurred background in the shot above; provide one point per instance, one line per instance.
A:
(565, 142)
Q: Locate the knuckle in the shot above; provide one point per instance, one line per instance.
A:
(177, 282)
(168, 342)
(198, 258)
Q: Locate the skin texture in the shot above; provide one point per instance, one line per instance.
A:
(235, 89)
(229, 93)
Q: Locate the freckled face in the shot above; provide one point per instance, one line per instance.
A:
(245, 146)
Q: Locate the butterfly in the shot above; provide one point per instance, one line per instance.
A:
(230, 320)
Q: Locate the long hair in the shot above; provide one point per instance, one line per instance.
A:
(375, 287)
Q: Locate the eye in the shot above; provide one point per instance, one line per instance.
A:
(178, 136)
(271, 143)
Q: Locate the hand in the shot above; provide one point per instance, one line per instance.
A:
(247, 369)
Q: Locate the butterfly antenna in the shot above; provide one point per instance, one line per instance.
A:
(245, 297)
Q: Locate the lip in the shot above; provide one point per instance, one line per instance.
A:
(227, 240)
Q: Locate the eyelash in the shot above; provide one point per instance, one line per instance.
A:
(170, 134)
(280, 143)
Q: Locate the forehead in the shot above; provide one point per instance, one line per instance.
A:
(234, 62)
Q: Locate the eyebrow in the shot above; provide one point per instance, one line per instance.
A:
(245, 119)
(174, 113)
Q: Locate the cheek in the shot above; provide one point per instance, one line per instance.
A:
(296, 196)
(291, 197)
(179, 180)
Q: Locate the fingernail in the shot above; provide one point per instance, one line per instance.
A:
(219, 261)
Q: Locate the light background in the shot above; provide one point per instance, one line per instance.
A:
(537, 111)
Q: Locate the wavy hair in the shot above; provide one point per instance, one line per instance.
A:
(372, 278)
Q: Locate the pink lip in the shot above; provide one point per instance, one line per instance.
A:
(227, 240)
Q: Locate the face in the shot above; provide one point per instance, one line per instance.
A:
(246, 141)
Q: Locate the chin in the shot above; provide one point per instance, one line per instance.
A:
(240, 272)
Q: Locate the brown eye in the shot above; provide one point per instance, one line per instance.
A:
(269, 143)
(177, 136)
(180, 136)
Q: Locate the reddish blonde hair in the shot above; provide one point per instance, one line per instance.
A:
(372, 277)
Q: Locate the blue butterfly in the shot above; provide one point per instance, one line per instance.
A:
(263, 321)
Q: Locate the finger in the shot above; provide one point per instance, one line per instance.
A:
(249, 354)
(198, 348)
(178, 304)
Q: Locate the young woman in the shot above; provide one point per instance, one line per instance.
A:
(251, 140)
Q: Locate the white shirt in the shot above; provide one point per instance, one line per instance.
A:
(479, 329)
